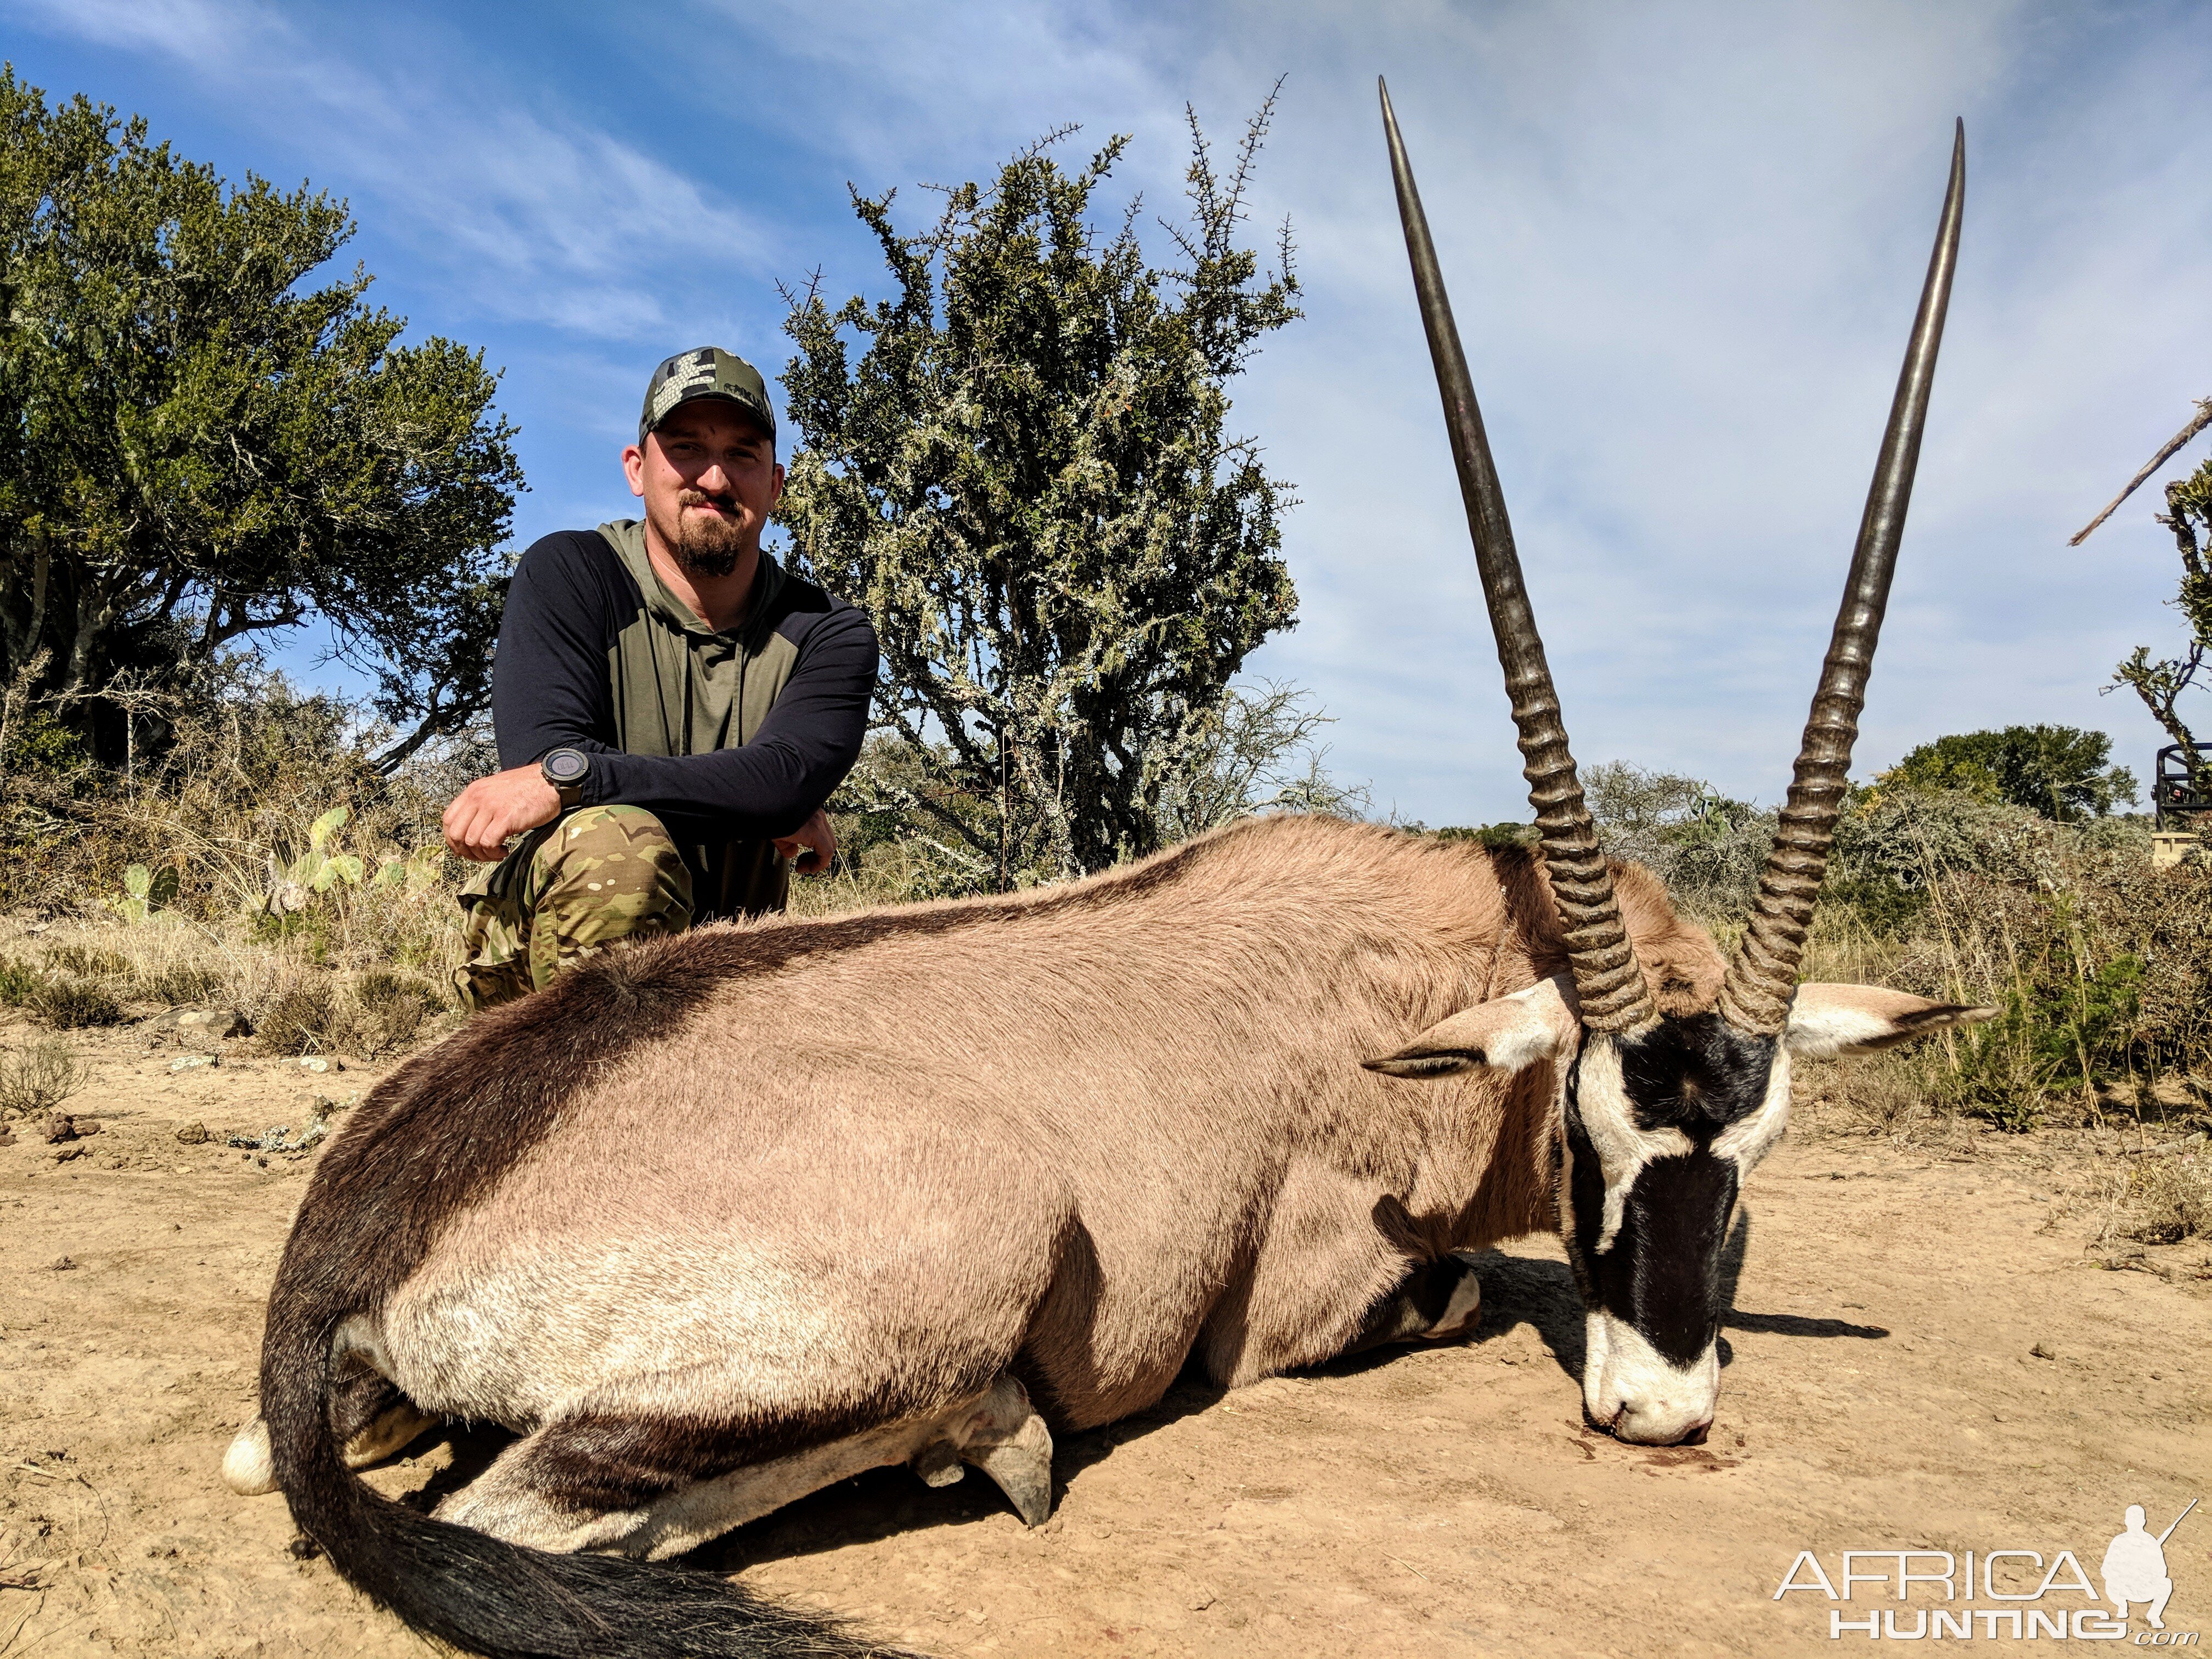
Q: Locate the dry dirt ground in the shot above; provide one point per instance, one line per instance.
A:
(1883, 1388)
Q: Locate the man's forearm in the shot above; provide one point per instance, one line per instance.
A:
(760, 791)
(772, 785)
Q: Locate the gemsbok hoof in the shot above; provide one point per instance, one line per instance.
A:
(249, 1470)
(1009, 1441)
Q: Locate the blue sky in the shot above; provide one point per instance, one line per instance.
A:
(1684, 242)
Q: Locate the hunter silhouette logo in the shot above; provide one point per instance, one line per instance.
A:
(2134, 1566)
(2029, 1594)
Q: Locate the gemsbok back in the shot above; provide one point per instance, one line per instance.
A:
(713, 1223)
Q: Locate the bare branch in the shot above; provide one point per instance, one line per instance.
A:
(2203, 419)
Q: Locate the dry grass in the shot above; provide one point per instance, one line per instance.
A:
(2162, 1197)
(887, 872)
(323, 987)
(369, 1014)
(260, 865)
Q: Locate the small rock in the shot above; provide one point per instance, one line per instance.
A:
(195, 1134)
(64, 1154)
(304, 1548)
(2044, 1350)
(61, 1127)
(61, 1264)
(189, 1062)
(6, 1135)
(212, 1024)
(319, 1063)
(321, 1106)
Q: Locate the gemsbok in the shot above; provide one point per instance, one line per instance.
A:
(714, 1222)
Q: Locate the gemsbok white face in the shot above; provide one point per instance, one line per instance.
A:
(1658, 1129)
(1662, 1116)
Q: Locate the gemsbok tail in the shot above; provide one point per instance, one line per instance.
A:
(477, 1593)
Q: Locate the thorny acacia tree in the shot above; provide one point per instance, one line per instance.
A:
(196, 448)
(2160, 681)
(1026, 477)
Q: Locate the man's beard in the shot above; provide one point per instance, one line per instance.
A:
(706, 546)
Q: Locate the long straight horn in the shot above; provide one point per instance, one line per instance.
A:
(1762, 975)
(1609, 981)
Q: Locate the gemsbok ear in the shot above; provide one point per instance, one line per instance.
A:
(1828, 1020)
(1505, 1034)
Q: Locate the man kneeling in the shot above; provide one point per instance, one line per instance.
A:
(672, 707)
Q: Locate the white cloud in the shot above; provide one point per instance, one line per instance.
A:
(531, 218)
(1683, 241)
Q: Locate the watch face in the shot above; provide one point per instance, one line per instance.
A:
(565, 766)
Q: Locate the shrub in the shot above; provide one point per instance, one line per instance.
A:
(2170, 1199)
(175, 984)
(391, 1008)
(2100, 967)
(2058, 771)
(38, 1078)
(19, 982)
(304, 1018)
(69, 1003)
(1706, 848)
(88, 961)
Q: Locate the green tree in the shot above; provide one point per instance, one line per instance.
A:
(2061, 772)
(1026, 476)
(2161, 682)
(197, 449)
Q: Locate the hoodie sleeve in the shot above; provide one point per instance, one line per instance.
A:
(549, 677)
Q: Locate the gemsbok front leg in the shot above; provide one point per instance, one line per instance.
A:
(1438, 1302)
(657, 1487)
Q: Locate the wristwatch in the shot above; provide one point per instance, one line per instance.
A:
(565, 770)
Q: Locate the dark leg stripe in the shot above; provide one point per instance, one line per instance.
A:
(1412, 1307)
(590, 1464)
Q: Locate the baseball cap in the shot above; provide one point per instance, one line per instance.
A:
(706, 372)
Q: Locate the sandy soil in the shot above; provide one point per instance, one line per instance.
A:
(1883, 1389)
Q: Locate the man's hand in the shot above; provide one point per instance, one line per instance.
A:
(811, 846)
(484, 815)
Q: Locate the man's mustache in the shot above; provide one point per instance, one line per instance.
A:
(701, 498)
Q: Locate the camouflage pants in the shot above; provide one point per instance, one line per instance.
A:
(600, 875)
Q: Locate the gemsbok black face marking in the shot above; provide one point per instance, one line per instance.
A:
(1661, 1117)
(1659, 1131)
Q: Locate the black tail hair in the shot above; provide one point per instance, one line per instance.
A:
(484, 1595)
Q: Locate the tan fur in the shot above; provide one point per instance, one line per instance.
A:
(1075, 1133)
(1078, 1133)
